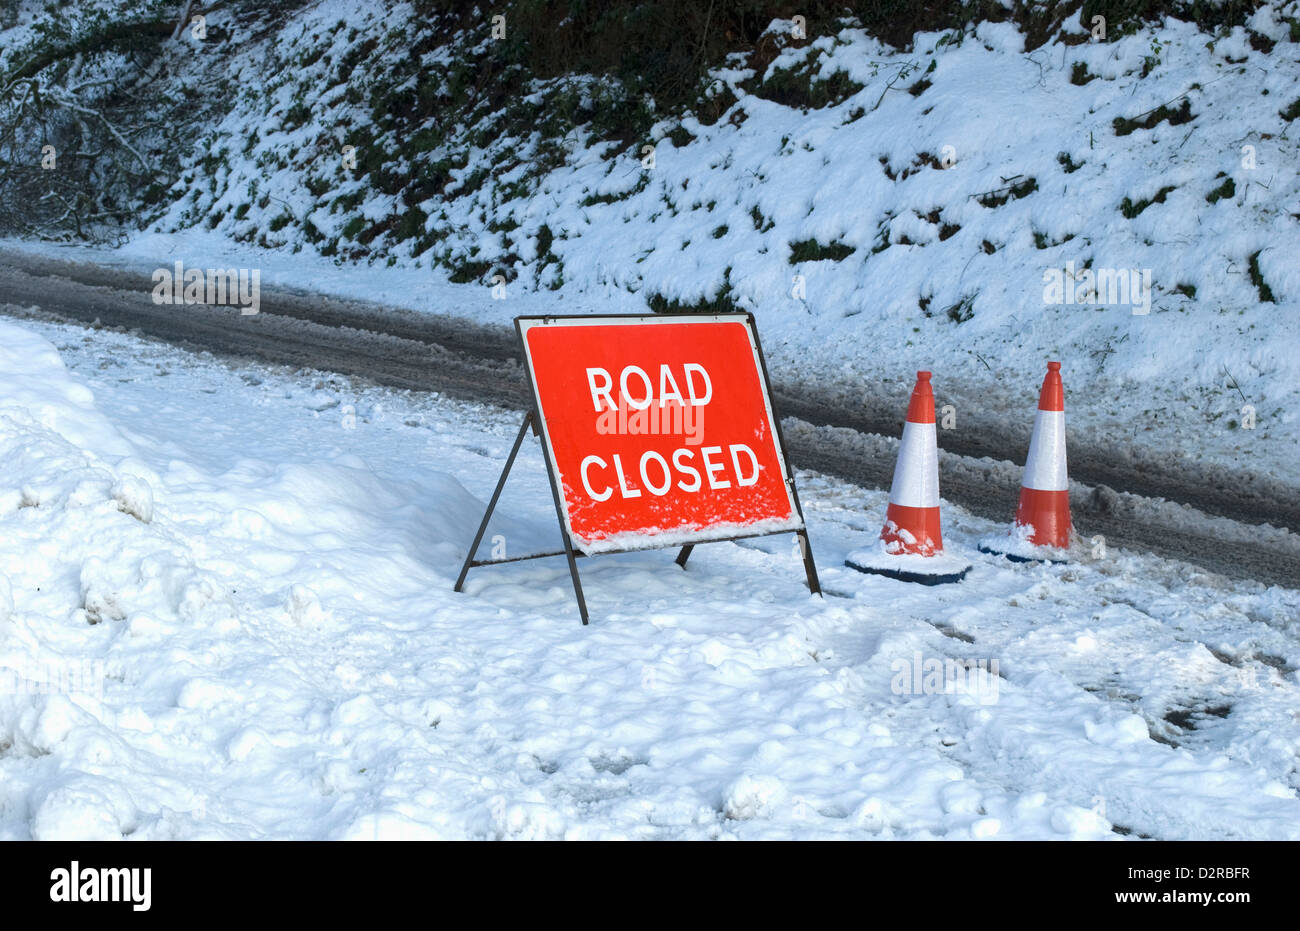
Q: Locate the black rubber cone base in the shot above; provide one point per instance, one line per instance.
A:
(1049, 555)
(941, 576)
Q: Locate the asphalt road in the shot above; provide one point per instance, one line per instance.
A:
(829, 428)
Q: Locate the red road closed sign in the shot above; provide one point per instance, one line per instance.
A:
(658, 429)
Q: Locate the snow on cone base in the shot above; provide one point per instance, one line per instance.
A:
(1017, 545)
(912, 530)
(1046, 514)
(937, 569)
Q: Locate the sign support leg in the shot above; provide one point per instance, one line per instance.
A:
(809, 567)
(577, 582)
(496, 495)
(568, 552)
(685, 554)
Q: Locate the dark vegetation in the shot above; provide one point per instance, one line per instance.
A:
(1175, 117)
(810, 250)
(1227, 189)
(648, 60)
(1013, 190)
(1257, 279)
(88, 91)
(1131, 209)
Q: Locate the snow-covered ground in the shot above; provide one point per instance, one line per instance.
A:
(226, 611)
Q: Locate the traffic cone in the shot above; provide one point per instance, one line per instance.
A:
(1045, 491)
(1043, 515)
(911, 544)
(912, 520)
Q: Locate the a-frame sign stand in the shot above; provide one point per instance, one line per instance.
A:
(533, 421)
(570, 553)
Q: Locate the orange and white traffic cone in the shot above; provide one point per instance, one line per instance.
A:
(911, 543)
(1045, 491)
(1043, 516)
(912, 519)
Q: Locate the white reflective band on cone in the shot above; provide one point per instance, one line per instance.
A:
(916, 476)
(1045, 467)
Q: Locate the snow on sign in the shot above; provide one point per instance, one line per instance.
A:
(658, 431)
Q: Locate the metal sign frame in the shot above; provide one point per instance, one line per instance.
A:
(533, 419)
